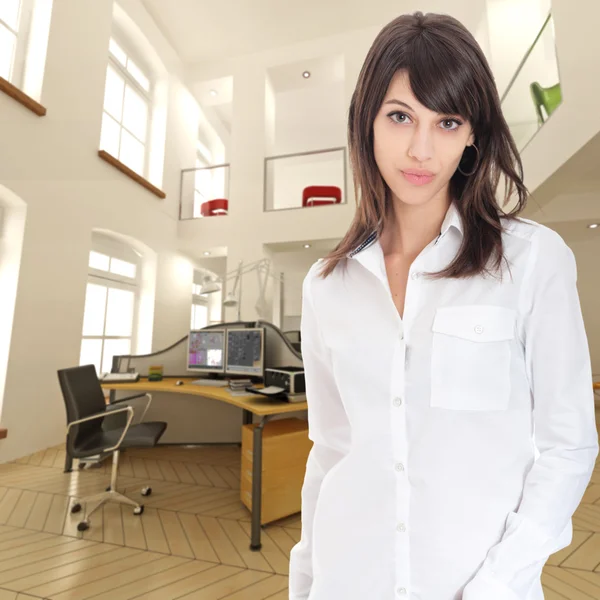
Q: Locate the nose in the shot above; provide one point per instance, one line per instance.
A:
(421, 144)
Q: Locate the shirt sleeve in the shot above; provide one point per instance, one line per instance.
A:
(329, 430)
(557, 361)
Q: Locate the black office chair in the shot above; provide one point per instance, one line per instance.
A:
(93, 428)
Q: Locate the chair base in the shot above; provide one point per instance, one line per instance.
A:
(110, 495)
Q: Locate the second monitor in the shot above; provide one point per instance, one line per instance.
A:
(245, 351)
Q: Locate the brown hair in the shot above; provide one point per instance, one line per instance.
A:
(448, 74)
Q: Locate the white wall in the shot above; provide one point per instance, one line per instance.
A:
(51, 164)
(310, 119)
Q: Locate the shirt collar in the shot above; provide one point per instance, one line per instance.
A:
(452, 219)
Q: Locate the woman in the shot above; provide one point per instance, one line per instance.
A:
(428, 367)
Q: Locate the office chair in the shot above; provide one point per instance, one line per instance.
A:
(88, 434)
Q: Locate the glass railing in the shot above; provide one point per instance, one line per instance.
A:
(305, 179)
(204, 192)
(534, 91)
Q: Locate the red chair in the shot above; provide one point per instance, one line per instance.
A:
(332, 193)
(214, 208)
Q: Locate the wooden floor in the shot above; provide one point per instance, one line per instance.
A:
(192, 542)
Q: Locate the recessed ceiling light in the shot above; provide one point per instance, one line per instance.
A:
(307, 245)
(594, 225)
(207, 254)
(213, 92)
(306, 74)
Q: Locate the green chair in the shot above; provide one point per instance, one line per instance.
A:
(549, 98)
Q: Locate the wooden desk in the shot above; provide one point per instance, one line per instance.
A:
(597, 385)
(255, 404)
(250, 405)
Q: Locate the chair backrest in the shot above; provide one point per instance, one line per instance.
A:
(216, 207)
(549, 98)
(83, 397)
(332, 193)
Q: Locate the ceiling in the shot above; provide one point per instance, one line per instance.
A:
(200, 30)
(324, 246)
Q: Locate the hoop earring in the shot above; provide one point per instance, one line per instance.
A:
(475, 167)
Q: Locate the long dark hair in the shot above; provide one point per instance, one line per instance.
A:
(448, 74)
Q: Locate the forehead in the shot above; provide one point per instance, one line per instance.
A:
(399, 89)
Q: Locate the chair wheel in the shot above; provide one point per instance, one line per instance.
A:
(108, 489)
(146, 491)
(138, 510)
(81, 465)
(75, 508)
(83, 526)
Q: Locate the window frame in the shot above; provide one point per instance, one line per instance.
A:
(22, 33)
(147, 95)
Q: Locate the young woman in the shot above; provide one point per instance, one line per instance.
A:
(450, 399)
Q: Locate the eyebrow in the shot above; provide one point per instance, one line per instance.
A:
(394, 101)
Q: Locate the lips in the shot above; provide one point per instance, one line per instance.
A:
(418, 176)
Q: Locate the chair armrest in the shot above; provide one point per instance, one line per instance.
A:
(103, 415)
(149, 396)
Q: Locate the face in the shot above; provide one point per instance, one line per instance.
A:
(417, 150)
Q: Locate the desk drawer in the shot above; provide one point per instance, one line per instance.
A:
(284, 443)
(281, 500)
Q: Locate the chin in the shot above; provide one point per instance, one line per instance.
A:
(414, 196)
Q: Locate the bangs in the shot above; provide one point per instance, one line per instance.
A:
(441, 79)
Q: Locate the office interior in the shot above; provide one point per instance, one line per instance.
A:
(168, 174)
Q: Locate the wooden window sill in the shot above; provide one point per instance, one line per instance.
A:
(21, 97)
(111, 160)
(3, 433)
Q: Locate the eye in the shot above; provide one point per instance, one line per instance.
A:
(456, 122)
(400, 115)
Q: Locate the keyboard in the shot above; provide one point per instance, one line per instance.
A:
(210, 382)
(120, 377)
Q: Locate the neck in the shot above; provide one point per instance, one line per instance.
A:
(410, 227)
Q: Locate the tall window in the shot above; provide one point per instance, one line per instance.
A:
(126, 116)
(110, 306)
(199, 308)
(15, 16)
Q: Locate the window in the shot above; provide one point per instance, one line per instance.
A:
(199, 308)
(202, 183)
(126, 115)
(15, 16)
(110, 307)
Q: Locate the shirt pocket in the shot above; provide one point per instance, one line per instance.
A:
(471, 357)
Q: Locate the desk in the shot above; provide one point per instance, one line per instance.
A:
(254, 404)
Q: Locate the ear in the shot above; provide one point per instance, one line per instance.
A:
(471, 139)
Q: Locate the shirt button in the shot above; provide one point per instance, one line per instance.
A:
(401, 527)
(397, 401)
(415, 275)
(402, 591)
(399, 467)
(478, 329)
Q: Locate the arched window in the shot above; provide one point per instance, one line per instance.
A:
(111, 302)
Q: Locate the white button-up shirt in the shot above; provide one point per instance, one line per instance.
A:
(450, 447)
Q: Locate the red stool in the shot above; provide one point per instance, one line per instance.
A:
(331, 192)
(214, 208)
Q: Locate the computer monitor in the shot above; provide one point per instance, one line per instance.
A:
(206, 351)
(246, 351)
